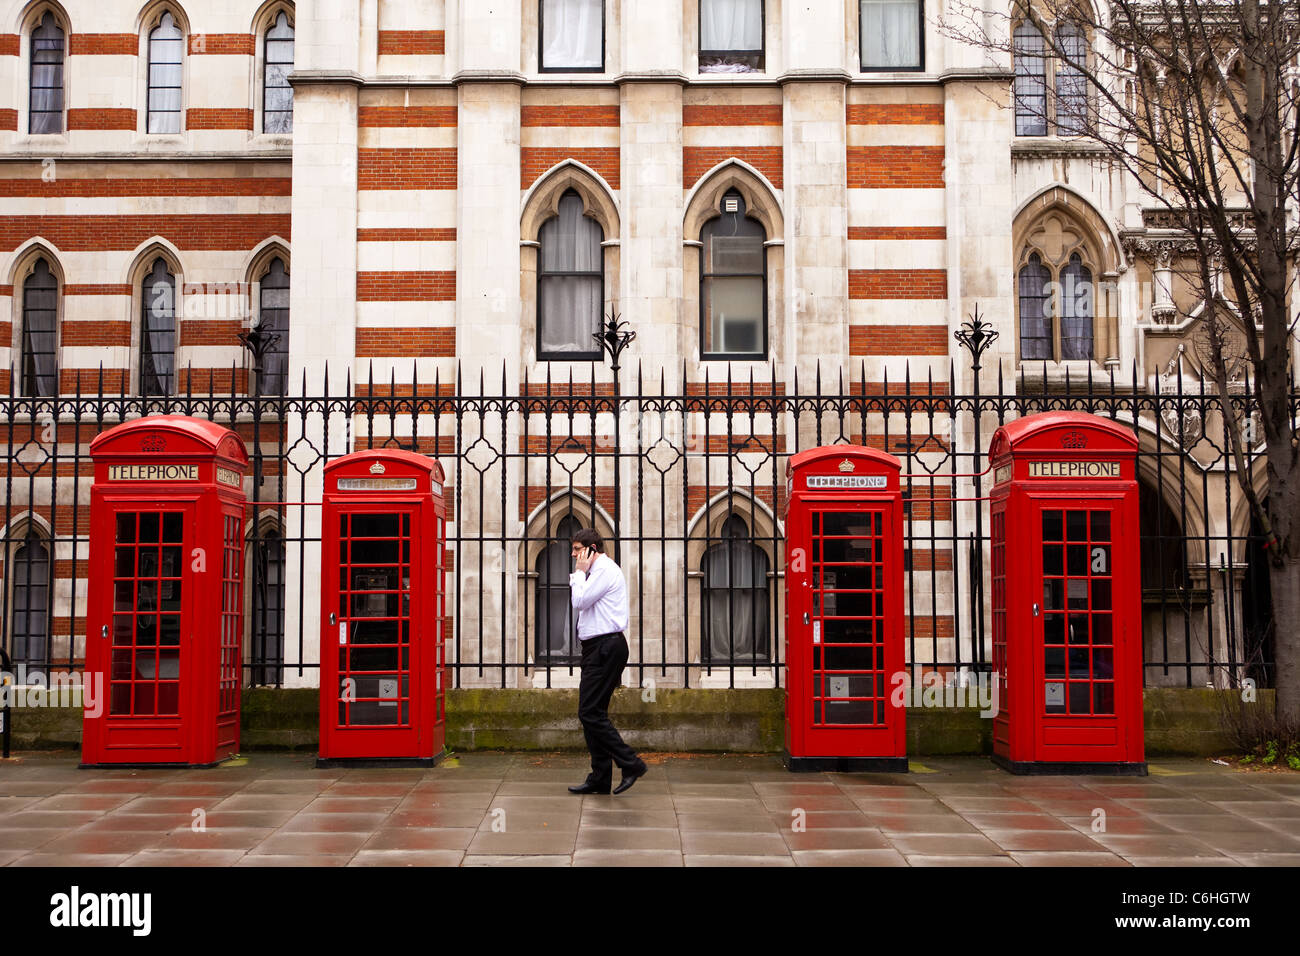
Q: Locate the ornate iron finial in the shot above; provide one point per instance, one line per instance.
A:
(976, 336)
(613, 338)
(258, 341)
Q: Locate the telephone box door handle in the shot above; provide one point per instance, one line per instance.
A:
(103, 631)
(806, 619)
(1035, 610)
(334, 618)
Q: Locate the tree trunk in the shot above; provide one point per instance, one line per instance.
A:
(1285, 581)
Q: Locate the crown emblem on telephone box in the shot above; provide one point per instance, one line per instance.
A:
(377, 468)
(1074, 440)
(153, 443)
(846, 465)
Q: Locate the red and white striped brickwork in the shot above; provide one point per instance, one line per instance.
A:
(898, 270)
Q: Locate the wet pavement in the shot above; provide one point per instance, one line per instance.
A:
(488, 809)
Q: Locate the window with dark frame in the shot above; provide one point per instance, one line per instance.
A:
(733, 284)
(570, 283)
(277, 96)
(556, 625)
(45, 105)
(1035, 310)
(166, 54)
(1030, 81)
(1071, 85)
(30, 623)
(735, 599)
(1042, 338)
(40, 367)
(267, 626)
(273, 317)
(1040, 70)
(891, 34)
(1076, 309)
(732, 36)
(158, 331)
(571, 36)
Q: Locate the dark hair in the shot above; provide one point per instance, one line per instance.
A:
(590, 538)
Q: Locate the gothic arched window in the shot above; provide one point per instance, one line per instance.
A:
(735, 598)
(557, 627)
(733, 284)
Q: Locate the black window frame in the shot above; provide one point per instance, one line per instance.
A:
(595, 354)
(705, 275)
(62, 72)
(266, 61)
(760, 53)
(542, 584)
(28, 375)
(541, 43)
(267, 607)
(145, 289)
(1078, 120)
(281, 344)
(737, 547)
(920, 28)
(149, 111)
(21, 577)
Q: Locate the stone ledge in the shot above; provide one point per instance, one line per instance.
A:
(1178, 721)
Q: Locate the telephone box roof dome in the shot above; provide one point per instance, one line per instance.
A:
(197, 436)
(859, 452)
(1022, 429)
(401, 455)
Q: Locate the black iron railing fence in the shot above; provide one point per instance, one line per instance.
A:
(688, 484)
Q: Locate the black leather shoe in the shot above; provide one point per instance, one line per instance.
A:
(630, 777)
(588, 787)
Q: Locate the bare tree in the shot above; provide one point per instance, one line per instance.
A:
(1197, 101)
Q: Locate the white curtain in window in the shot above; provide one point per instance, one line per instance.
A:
(731, 25)
(570, 305)
(891, 33)
(166, 52)
(572, 34)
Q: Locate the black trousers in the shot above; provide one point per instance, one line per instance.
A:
(603, 660)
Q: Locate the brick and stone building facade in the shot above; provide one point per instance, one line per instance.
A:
(431, 144)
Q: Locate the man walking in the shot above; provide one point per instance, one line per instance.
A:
(599, 595)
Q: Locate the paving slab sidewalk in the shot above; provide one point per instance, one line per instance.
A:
(513, 809)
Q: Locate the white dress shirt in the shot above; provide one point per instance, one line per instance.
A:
(600, 598)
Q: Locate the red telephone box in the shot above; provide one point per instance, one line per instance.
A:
(844, 610)
(383, 664)
(164, 610)
(1067, 600)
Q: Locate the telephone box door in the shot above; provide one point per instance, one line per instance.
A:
(1081, 554)
(851, 647)
(145, 650)
(371, 609)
